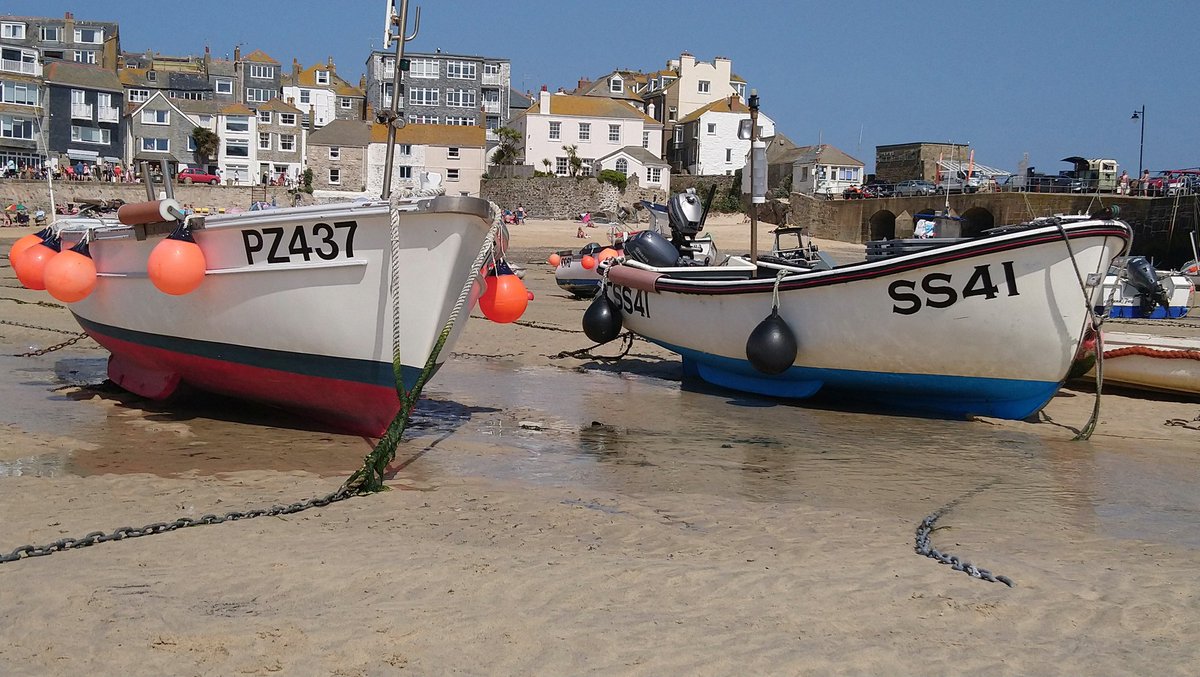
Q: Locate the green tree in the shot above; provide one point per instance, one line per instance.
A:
(574, 162)
(207, 142)
(546, 163)
(509, 151)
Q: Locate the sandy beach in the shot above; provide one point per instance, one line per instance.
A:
(631, 526)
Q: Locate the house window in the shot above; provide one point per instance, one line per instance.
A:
(261, 72)
(423, 96)
(335, 152)
(646, 140)
(85, 56)
(740, 88)
(585, 131)
(404, 171)
(12, 31)
(423, 68)
(264, 141)
(52, 33)
(90, 36)
(460, 70)
(264, 116)
(188, 96)
(223, 87)
(712, 128)
(423, 119)
(623, 166)
(288, 119)
(345, 102)
(585, 167)
(305, 96)
(404, 148)
(728, 154)
(672, 113)
(452, 153)
(614, 133)
(460, 121)
(460, 98)
(287, 142)
(258, 95)
(703, 86)
(156, 145)
(560, 166)
(555, 131)
(90, 135)
(18, 61)
(137, 95)
(335, 176)
(237, 123)
(155, 117)
(451, 174)
(654, 174)
(322, 77)
(12, 127)
(191, 144)
(616, 86)
(237, 148)
(491, 69)
(678, 135)
(18, 93)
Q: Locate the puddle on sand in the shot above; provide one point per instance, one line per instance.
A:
(634, 436)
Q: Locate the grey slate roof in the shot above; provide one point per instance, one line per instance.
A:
(349, 133)
(645, 157)
(82, 75)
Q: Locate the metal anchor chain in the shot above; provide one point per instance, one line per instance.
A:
(924, 545)
(585, 353)
(96, 537)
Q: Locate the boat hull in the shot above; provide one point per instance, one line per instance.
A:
(1148, 362)
(986, 327)
(273, 322)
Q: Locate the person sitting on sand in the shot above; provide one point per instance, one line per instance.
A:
(580, 233)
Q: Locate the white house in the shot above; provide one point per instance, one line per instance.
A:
(456, 152)
(651, 171)
(824, 170)
(707, 139)
(321, 94)
(238, 155)
(595, 126)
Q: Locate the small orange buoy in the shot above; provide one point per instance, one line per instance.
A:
(554, 259)
(176, 265)
(25, 243)
(505, 299)
(529, 296)
(605, 254)
(588, 262)
(30, 265)
(71, 275)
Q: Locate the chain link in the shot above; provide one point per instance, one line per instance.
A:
(924, 545)
(97, 537)
(586, 353)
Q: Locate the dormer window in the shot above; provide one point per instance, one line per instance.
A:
(616, 85)
(152, 76)
(322, 77)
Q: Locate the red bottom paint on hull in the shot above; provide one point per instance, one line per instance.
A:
(347, 406)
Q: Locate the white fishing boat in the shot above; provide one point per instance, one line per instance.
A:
(1169, 364)
(1134, 289)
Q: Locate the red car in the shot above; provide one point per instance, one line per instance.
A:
(196, 175)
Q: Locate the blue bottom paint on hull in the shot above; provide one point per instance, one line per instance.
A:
(1136, 312)
(583, 287)
(926, 394)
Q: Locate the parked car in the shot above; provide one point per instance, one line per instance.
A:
(197, 175)
(914, 187)
(880, 189)
(958, 185)
(1044, 183)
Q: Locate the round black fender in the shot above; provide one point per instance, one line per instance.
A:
(602, 321)
(771, 347)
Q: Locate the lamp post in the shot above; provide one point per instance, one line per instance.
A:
(1140, 115)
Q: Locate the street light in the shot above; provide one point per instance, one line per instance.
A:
(1140, 115)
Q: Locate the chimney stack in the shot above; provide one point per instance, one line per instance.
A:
(237, 53)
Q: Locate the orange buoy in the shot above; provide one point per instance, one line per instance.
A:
(529, 296)
(25, 243)
(30, 264)
(588, 262)
(71, 275)
(554, 259)
(176, 265)
(505, 299)
(605, 254)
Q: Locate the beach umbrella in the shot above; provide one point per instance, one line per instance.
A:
(20, 207)
(11, 208)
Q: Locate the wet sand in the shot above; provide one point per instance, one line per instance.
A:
(634, 525)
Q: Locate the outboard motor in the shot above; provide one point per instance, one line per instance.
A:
(1142, 277)
(652, 249)
(686, 217)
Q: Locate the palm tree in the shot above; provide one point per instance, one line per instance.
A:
(573, 160)
(546, 163)
(509, 150)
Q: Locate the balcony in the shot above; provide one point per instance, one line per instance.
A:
(108, 114)
(490, 79)
(20, 66)
(81, 111)
(491, 106)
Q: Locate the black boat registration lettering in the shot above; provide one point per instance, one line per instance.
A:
(327, 242)
(630, 300)
(937, 290)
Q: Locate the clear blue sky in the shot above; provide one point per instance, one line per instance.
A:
(1050, 79)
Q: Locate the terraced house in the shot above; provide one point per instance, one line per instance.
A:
(454, 152)
(157, 129)
(321, 95)
(280, 143)
(85, 104)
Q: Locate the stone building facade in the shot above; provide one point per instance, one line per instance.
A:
(337, 156)
(279, 142)
(904, 161)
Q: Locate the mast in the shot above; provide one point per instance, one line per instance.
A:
(755, 197)
(391, 117)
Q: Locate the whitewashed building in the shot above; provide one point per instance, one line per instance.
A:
(707, 139)
(651, 171)
(824, 170)
(595, 126)
(455, 152)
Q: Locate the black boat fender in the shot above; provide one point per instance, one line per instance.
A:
(602, 321)
(771, 347)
